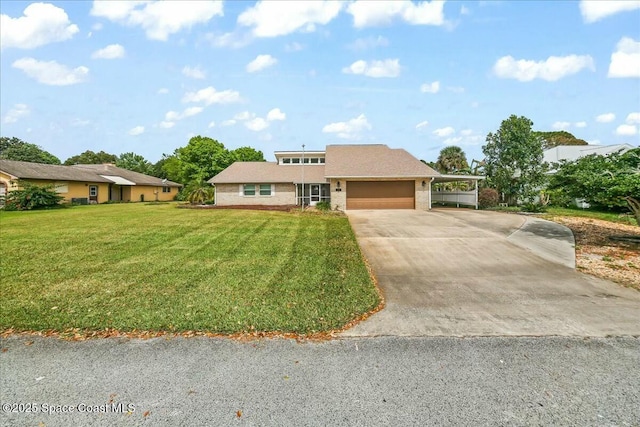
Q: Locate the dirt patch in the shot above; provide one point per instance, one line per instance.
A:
(599, 255)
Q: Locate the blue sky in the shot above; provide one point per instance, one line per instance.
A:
(146, 76)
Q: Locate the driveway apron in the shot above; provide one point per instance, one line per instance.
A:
(457, 272)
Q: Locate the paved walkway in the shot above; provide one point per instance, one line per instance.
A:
(458, 272)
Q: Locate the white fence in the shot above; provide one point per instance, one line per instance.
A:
(465, 198)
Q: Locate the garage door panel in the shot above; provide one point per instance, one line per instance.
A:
(380, 194)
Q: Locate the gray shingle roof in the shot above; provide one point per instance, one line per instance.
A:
(268, 172)
(85, 173)
(373, 161)
(138, 178)
(27, 170)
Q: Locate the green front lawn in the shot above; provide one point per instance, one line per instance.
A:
(159, 268)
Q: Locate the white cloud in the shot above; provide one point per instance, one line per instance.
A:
(16, 113)
(163, 91)
(51, 73)
(245, 115)
(138, 130)
(293, 47)
(273, 18)
(113, 51)
(464, 10)
(554, 68)
(260, 63)
(350, 129)
(369, 14)
(561, 125)
(193, 72)
(233, 40)
(369, 43)
(172, 116)
(97, 26)
(605, 118)
(257, 124)
(627, 130)
(595, 10)
(633, 118)
(276, 114)
(212, 125)
(41, 24)
(210, 95)
(159, 19)
(166, 125)
(423, 124)
(625, 61)
(466, 132)
(433, 87)
(229, 122)
(581, 124)
(385, 68)
(79, 122)
(446, 131)
(452, 141)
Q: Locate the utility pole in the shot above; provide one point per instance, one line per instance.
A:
(302, 208)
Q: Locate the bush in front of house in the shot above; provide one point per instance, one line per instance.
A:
(32, 196)
(323, 206)
(488, 198)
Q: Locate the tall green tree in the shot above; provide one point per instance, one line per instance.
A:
(607, 182)
(134, 162)
(452, 160)
(201, 159)
(91, 158)
(514, 160)
(561, 137)
(16, 149)
(247, 154)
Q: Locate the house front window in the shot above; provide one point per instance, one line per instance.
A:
(249, 190)
(265, 189)
(166, 189)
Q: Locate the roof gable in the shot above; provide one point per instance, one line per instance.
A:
(373, 161)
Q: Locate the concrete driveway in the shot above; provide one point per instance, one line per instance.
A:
(458, 272)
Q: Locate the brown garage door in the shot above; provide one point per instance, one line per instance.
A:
(380, 194)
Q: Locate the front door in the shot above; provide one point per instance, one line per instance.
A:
(315, 194)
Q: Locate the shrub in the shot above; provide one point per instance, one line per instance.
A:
(534, 207)
(488, 198)
(323, 206)
(32, 197)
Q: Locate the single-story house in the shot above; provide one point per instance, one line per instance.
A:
(88, 183)
(363, 176)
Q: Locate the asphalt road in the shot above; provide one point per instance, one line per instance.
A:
(351, 381)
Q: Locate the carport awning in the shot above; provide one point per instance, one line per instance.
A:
(118, 180)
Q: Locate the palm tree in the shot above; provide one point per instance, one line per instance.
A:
(452, 160)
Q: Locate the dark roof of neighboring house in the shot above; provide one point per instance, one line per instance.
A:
(373, 161)
(85, 173)
(136, 177)
(269, 172)
(27, 170)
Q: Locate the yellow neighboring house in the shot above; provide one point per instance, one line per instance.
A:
(87, 184)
